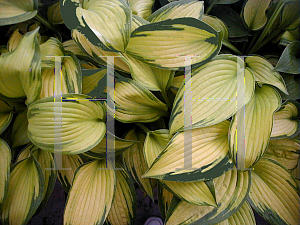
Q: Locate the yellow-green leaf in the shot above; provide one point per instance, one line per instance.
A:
(6, 115)
(164, 200)
(14, 40)
(47, 164)
(135, 103)
(273, 193)
(106, 23)
(154, 79)
(124, 204)
(264, 72)
(134, 160)
(69, 164)
(141, 8)
(215, 97)
(196, 193)
(91, 195)
(254, 13)
(178, 9)
(54, 15)
(24, 78)
(19, 130)
(231, 190)
(162, 44)
(258, 119)
(89, 83)
(14, 11)
(286, 120)
(100, 150)
(244, 216)
(285, 151)
(77, 127)
(25, 192)
(4, 169)
(209, 159)
(217, 24)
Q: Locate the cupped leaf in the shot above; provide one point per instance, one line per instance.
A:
(123, 208)
(288, 37)
(65, 175)
(5, 160)
(286, 120)
(135, 103)
(209, 159)
(105, 23)
(6, 115)
(134, 161)
(264, 72)
(100, 150)
(19, 130)
(97, 53)
(51, 48)
(25, 192)
(289, 60)
(273, 193)
(15, 11)
(178, 9)
(161, 44)
(217, 24)
(216, 96)
(91, 195)
(24, 78)
(47, 164)
(154, 79)
(197, 193)
(285, 151)
(244, 216)
(258, 119)
(76, 128)
(54, 15)
(141, 8)
(231, 188)
(254, 13)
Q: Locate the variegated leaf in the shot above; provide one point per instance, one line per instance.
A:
(164, 45)
(216, 96)
(141, 8)
(82, 124)
(20, 129)
(178, 9)
(95, 182)
(273, 193)
(5, 160)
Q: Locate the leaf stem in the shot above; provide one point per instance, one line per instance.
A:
(167, 100)
(231, 47)
(144, 128)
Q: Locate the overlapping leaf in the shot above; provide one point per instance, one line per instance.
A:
(4, 169)
(178, 9)
(75, 126)
(231, 191)
(258, 119)
(25, 192)
(47, 164)
(264, 72)
(91, 195)
(141, 8)
(273, 193)
(286, 120)
(69, 164)
(209, 155)
(19, 130)
(134, 161)
(197, 193)
(14, 11)
(217, 24)
(54, 15)
(217, 96)
(164, 200)
(135, 103)
(124, 204)
(161, 44)
(289, 60)
(6, 115)
(22, 79)
(14, 40)
(285, 151)
(105, 23)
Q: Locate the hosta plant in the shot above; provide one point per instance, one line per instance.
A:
(198, 99)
